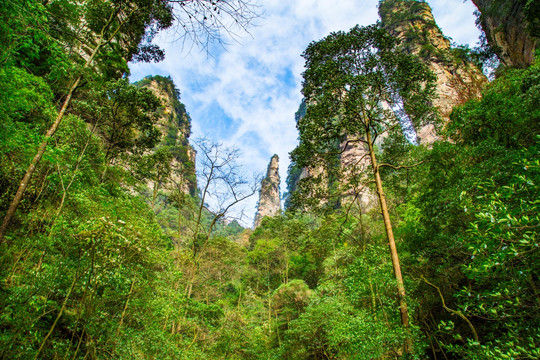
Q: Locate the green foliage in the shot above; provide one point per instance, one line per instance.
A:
(114, 246)
(366, 67)
(28, 40)
(26, 108)
(25, 97)
(99, 262)
(503, 244)
(507, 115)
(531, 11)
(125, 118)
(350, 314)
(293, 176)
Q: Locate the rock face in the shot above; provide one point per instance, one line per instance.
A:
(510, 27)
(294, 172)
(458, 80)
(175, 126)
(356, 167)
(269, 197)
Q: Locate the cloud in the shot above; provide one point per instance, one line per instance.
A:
(247, 94)
(456, 20)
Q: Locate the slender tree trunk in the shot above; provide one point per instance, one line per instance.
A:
(189, 287)
(165, 323)
(362, 230)
(79, 344)
(201, 206)
(65, 189)
(125, 309)
(286, 266)
(180, 203)
(14, 267)
(43, 183)
(391, 241)
(79, 316)
(373, 298)
(269, 299)
(277, 328)
(35, 161)
(57, 317)
(154, 194)
(239, 299)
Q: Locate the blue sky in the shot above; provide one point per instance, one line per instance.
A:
(246, 95)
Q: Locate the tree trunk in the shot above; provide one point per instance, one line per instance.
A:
(65, 189)
(57, 317)
(391, 241)
(125, 309)
(35, 161)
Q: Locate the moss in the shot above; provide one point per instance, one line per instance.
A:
(414, 19)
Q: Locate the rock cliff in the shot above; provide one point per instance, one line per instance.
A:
(175, 126)
(356, 167)
(512, 27)
(269, 196)
(458, 79)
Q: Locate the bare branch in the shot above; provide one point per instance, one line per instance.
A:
(225, 185)
(204, 23)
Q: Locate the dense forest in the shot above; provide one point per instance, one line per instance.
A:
(412, 213)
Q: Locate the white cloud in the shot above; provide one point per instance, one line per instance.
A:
(256, 83)
(456, 20)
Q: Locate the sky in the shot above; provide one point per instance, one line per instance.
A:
(245, 95)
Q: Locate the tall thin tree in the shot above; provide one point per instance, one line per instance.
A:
(358, 85)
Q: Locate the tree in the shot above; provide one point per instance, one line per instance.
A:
(128, 115)
(358, 86)
(156, 167)
(223, 187)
